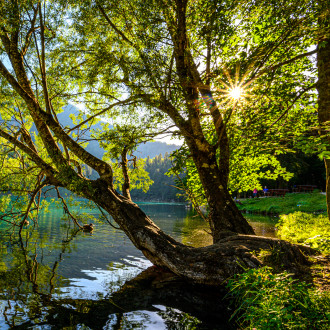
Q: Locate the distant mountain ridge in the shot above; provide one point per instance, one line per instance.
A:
(151, 149)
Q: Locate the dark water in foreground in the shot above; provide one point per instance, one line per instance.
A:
(54, 277)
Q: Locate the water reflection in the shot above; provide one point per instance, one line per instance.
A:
(56, 277)
(263, 225)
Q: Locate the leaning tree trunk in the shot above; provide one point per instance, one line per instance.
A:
(323, 86)
(224, 217)
(210, 265)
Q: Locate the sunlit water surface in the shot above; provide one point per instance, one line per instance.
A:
(54, 275)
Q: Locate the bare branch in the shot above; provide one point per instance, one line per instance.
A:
(274, 67)
(66, 209)
(102, 112)
(106, 218)
(38, 187)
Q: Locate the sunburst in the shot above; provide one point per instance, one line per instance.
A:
(229, 93)
(235, 89)
(236, 93)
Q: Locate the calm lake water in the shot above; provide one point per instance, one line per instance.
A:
(55, 277)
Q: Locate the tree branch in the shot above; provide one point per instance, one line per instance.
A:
(31, 30)
(274, 67)
(23, 89)
(49, 170)
(34, 193)
(287, 110)
(102, 112)
(66, 209)
(112, 25)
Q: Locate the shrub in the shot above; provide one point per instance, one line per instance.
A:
(276, 301)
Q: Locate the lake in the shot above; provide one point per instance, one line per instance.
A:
(55, 277)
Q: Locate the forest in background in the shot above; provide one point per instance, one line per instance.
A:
(305, 169)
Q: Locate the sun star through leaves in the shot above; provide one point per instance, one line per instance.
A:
(235, 88)
(236, 93)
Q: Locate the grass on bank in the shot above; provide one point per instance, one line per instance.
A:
(304, 202)
(266, 300)
(276, 301)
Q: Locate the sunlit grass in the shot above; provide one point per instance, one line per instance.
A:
(308, 229)
(314, 202)
(276, 301)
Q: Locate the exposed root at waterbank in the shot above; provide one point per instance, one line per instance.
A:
(215, 264)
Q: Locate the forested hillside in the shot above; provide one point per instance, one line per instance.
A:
(156, 165)
(163, 187)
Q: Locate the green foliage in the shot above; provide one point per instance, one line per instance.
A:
(304, 202)
(97, 53)
(139, 177)
(4, 203)
(239, 53)
(189, 183)
(163, 187)
(119, 143)
(248, 165)
(248, 169)
(122, 137)
(308, 229)
(276, 301)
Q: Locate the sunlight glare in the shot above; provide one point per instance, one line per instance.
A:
(235, 93)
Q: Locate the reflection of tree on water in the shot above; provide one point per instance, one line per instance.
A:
(145, 292)
(29, 284)
(29, 287)
(195, 230)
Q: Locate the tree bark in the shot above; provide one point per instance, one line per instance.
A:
(323, 86)
(224, 216)
(212, 265)
(124, 166)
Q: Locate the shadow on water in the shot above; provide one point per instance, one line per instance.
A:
(56, 277)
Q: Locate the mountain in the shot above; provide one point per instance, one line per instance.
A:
(151, 149)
